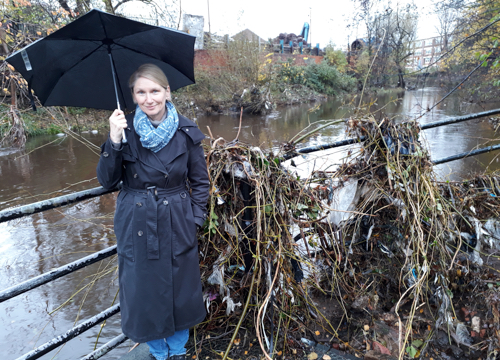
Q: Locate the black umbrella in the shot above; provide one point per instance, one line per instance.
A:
(88, 62)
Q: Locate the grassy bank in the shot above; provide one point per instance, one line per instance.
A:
(54, 120)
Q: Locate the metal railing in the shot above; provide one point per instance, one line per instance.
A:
(55, 274)
(351, 141)
(20, 211)
(37, 281)
(70, 334)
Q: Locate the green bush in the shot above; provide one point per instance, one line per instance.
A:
(53, 129)
(335, 58)
(32, 127)
(290, 73)
(327, 79)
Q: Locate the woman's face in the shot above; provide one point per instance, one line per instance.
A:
(151, 98)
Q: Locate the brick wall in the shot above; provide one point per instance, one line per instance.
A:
(299, 59)
(216, 59)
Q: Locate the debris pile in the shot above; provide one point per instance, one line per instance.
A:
(375, 258)
(290, 37)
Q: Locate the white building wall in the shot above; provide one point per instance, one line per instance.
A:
(193, 24)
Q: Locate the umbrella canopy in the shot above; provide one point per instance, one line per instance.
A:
(72, 66)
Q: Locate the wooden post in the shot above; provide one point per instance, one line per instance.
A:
(13, 96)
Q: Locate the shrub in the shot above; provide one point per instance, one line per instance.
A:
(291, 74)
(53, 129)
(327, 79)
(335, 58)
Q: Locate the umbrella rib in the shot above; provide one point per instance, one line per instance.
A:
(83, 58)
(140, 52)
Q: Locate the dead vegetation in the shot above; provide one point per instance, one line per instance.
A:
(394, 252)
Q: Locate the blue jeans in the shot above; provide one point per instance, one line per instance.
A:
(162, 349)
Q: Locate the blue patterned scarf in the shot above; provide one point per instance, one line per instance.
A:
(153, 138)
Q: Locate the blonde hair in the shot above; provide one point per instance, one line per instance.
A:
(150, 72)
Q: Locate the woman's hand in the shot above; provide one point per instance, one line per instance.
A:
(117, 124)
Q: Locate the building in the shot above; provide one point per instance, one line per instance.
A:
(193, 24)
(248, 35)
(426, 52)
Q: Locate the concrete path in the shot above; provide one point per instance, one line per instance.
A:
(139, 353)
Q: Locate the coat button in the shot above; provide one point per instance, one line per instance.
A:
(105, 154)
(135, 176)
(165, 202)
(166, 176)
(187, 130)
(139, 233)
(139, 204)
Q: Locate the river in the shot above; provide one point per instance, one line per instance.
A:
(38, 243)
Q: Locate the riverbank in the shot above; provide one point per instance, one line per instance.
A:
(56, 120)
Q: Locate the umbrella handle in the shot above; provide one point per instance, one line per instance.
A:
(124, 137)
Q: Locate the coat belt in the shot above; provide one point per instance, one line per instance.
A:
(151, 194)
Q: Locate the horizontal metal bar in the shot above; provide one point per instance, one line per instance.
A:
(106, 348)
(70, 334)
(311, 149)
(459, 119)
(56, 273)
(466, 154)
(20, 211)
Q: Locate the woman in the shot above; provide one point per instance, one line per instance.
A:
(162, 201)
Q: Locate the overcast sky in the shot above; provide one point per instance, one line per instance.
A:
(269, 18)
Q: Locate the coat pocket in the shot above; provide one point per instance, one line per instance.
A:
(129, 158)
(123, 227)
(185, 228)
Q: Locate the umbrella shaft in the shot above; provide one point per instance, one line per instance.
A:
(124, 137)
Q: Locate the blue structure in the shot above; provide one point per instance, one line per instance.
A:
(305, 31)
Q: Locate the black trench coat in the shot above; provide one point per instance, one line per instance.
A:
(159, 275)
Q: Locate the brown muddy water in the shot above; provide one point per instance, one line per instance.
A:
(36, 244)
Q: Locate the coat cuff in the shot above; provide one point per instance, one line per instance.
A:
(109, 168)
(199, 215)
(116, 146)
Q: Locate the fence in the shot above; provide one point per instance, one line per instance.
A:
(18, 212)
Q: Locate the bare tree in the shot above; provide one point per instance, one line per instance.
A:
(366, 15)
(401, 29)
(449, 14)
